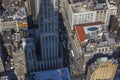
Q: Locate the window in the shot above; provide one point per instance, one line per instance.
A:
(43, 40)
(102, 49)
(105, 11)
(99, 50)
(106, 49)
(46, 39)
(47, 53)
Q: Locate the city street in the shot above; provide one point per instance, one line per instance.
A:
(75, 65)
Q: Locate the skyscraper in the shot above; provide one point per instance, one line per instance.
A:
(32, 9)
(29, 48)
(49, 37)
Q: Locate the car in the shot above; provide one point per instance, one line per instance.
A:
(72, 53)
(12, 5)
(11, 64)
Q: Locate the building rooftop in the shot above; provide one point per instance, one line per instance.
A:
(21, 14)
(79, 7)
(7, 37)
(84, 30)
(19, 63)
(80, 33)
(100, 60)
(94, 33)
(101, 1)
(3, 77)
(105, 71)
(8, 25)
(60, 74)
(108, 41)
(91, 5)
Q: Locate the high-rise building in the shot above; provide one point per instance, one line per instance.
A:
(83, 12)
(89, 42)
(33, 9)
(59, 74)
(118, 6)
(29, 48)
(49, 37)
(106, 70)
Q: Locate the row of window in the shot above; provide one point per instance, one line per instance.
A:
(30, 58)
(83, 18)
(101, 16)
(10, 24)
(50, 27)
(49, 64)
(49, 44)
(50, 53)
(107, 48)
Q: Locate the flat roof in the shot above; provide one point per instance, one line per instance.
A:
(8, 25)
(88, 31)
(105, 71)
(60, 74)
(109, 41)
(79, 7)
(20, 64)
(80, 33)
(91, 5)
(100, 60)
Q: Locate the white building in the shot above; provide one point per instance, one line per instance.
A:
(49, 37)
(8, 25)
(88, 12)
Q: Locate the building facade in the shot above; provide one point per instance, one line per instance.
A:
(118, 5)
(89, 12)
(30, 54)
(114, 27)
(106, 70)
(7, 25)
(49, 37)
(33, 5)
(91, 39)
(1, 61)
(52, 74)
